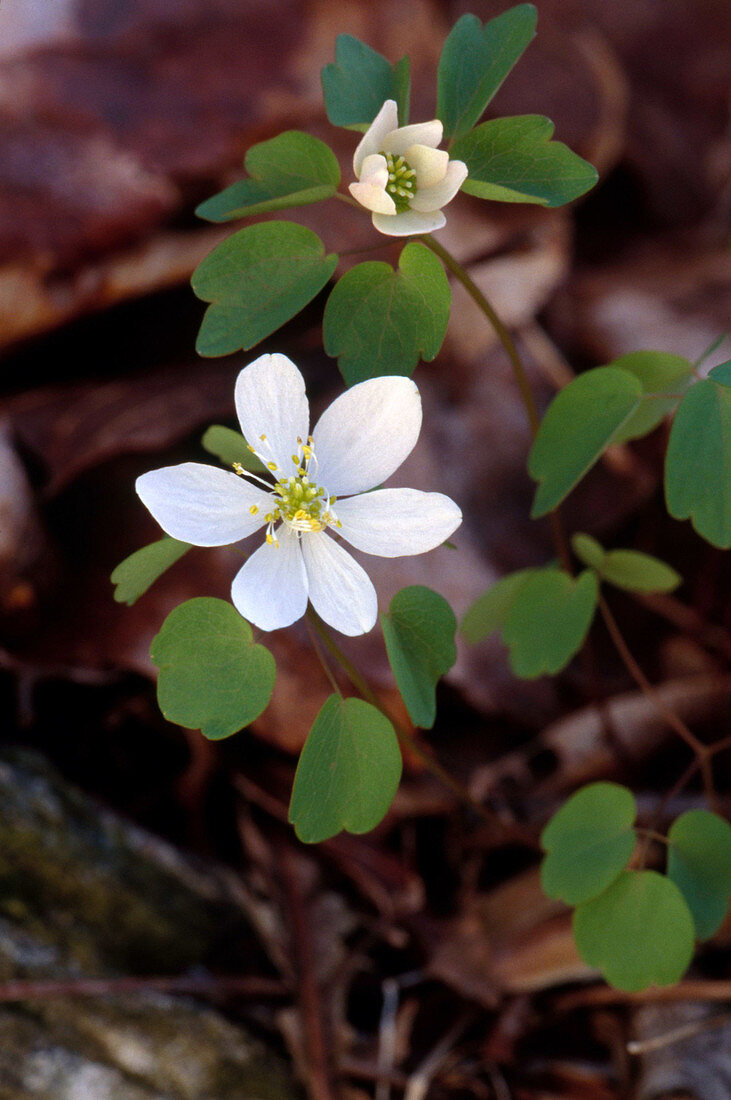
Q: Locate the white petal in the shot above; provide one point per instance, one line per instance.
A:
(434, 198)
(366, 434)
(374, 170)
(340, 591)
(372, 141)
(409, 223)
(202, 504)
(270, 590)
(271, 401)
(373, 197)
(430, 164)
(421, 133)
(396, 522)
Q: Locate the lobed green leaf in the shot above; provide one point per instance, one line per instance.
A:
(581, 421)
(360, 81)
(698, 462)
(212, 676)
(348, 772)
(379, 321)
(140, 570)
(291, 169)
(514, 160)
(699, 863)
(419, 633)
(664, 378)
(489, 611)
(475, 61)
(588, 842)
(631, 570)
(548, 621)
(255, 281)
(638, 933)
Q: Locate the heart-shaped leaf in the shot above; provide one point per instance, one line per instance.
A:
(255, 281)
(628, 569)
(589, 841)
(419, 633)
(698, 462)
(581, 421)
(360, 81)
(348, 772)
(664, 379)
(549, 620)
(699, 863)
(291, 169)
(638, 933)
(514, 160)
(489, 611)
(212, 677)
(474, 62)
(140, 570)
(379, 321)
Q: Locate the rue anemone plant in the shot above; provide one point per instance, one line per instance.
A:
(306, 493)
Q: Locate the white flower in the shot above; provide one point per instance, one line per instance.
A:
(402, 177)
(318, 486)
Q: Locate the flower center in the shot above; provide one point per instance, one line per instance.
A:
(401, 184)
(298, 501)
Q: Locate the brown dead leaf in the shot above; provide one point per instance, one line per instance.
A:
(512, 940)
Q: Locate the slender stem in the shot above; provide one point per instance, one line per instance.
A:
(558, 535)
(320, 656)
(362, 686)
(644, 684)
(701, 751)
(502, 332)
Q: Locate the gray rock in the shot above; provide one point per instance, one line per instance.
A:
(83, 893)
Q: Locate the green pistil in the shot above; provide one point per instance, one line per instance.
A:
(401, 184)
(299, 500)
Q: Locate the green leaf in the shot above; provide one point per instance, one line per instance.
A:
(664, 379)
(514, 160)
(212, 677)
(628, 569)
(379, 321)
(489, 611)
(549, 620)
(255, 281)
(698, 462)
(348, 772)
(140, 570)
(230, 447)
(419, 633)
(475, 61)
(581, 421)
(360, 81)
(722, 373)
(292, 169)
(699, 863)
(639, 932)
(589, 842)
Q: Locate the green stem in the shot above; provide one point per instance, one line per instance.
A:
(501, 331)
(362, 686)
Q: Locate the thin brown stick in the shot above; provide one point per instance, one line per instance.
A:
(312, 1012)
(39, 990)
(683, 991)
